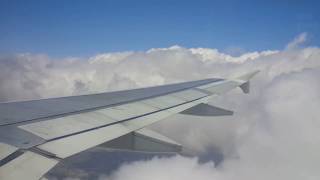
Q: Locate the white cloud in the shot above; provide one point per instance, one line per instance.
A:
(177, 168)
(297, 41)
(273, 135)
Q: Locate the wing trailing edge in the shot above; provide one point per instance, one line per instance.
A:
(27, 165)
(144, 140)
(206, 110)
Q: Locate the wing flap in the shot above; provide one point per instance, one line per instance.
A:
(63, 126)
(190, 94)
(207, 110)
(144, 140)
(127, 111)
(6, 150)
(28, 165)
(70, 145)
(77, 123)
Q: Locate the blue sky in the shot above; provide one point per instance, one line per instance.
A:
(84, 28)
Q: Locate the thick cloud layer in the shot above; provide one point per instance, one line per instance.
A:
(273, 135)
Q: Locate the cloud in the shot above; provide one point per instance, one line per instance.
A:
(274, 133)
(297, 41)
(178, 168)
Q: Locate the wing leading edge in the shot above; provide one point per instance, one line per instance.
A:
(112, 120)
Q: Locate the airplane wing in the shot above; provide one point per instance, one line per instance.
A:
(36, 135)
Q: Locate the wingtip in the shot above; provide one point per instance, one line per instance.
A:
(244, 80)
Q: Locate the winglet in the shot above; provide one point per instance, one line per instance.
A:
(245, 86)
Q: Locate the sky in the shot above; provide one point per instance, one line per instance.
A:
(82, 29)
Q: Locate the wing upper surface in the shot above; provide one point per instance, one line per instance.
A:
(18, 112)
